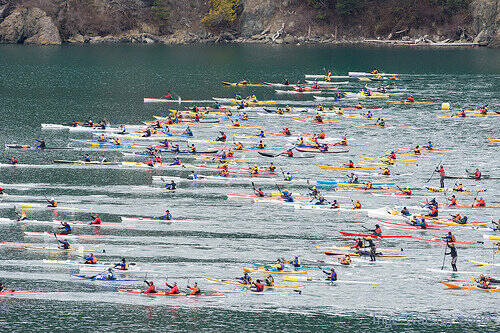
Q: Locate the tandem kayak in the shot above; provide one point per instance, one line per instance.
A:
(470, 287)
(101, 278)
(272, 271)
(138, 291)
(364, 253)
(447, 189)
(371, 235)
(239, 283)
(310, 279)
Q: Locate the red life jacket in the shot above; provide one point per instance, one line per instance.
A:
(259, 286)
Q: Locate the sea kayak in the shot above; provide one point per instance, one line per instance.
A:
(447, 189)
(491, 237)
(480, 263)
(321, 166)
(138, 291)
(364, 253)
(469, 287)
(310, 279)
(50, 234)
(239, 283)
(371, 235)
(272, 271)
(314, 150)
(101, 278)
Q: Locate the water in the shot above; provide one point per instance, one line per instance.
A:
(57, 85)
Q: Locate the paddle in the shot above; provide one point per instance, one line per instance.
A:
(473, 202)
(434, 172)
(444, 256)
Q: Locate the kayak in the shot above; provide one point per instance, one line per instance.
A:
(389, 159)
(468, 206)
(235, 101)
(314, 150)
(32, 246)
(138, 291)
(240, 84)
(371, 235)
(315, 121)
(26, 147)
(440, 240)
(100, 278)
(460, 224)
(239, 283)
(321, 166)
(364, 253)
(153, 220)
(406, 102)
(447, 189)
(86, 163)
(98, 265)
(328, 182)
(409, 226)
(50, 234)
(482, 263)
(494, 140)
(491, 237)
(271, 271)
(308, 279)
(23, 205)
(356, 74)
(10, 292)
(470, 287)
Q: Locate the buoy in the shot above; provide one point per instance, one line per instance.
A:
(445, 106)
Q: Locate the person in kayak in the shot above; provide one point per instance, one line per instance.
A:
(271, 167)
(377, 231)
(13, 160)
(195, 290)
(314, 191)
(151, 287)
(64, 244)
(300, 142)
(288, 177)
(350, 164)
(269, 281)
(405, 212)
(392, 155)
(280, 266)
(122, 266)
(385, 171)
(188, 131)
(296, 262)
(65, 228)
(335, 205)
(356, 204)
(330, 275)
(224, 173)
(460, 219)
(321, 200)
(342, 142)
(346, 260)
(416, 150)
(453, 254)
(158, 159)
(286, 131)
(166, 217)
(259, 287)
(359, 245)
(422, 224)
(480, 203)
(406, 191)
(51, 202)
(91, 260)
(254, 170)
(261, 134)
(261, 145)
(476, 174)
(176, 161)
(236, 123)
(260, 193)
(288, 153)
(368, 115)
(86, 158)
(42, 143)
(318, 118)
(2, 191)
(96, 219)
(433, 211)
(222, 137)
(286, 196)
(458, 187)
(452, 200)
(449, 238)
(352, 179)
(322, 135)
(171, 186)
(245, 279)
(22, 216)
(410, 99)
(174, 290)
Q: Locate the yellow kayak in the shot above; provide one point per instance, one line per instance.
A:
(389, 159)
(480, 263)
(242, 84)
(491, 237)
(494, 140)
(265, 271)
(438, 189)
(420, 155)
(460, 225)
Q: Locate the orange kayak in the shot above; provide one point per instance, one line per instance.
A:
(469, 286)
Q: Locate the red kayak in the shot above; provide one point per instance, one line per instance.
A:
(10, 292)
(370, 235)
(315, 150)
(137, 291)
(439, 240)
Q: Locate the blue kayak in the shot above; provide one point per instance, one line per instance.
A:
(100, 278)
(301, 268)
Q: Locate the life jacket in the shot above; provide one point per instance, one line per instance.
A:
(239, 147)
(151, 289)
(481, 203)
(441, 172)
(453, 201)
(321, 135)
(378, 231)
(194, 291)
(350, 165)
(260, 193)
(259, 287)
(97, 220)
(175, 290)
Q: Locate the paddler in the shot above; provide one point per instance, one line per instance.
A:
(288, 153)
(168, 96)
(433, 211)
(286, 131)
(429, 146)
(318, 118)
(22, 216)
(458, 187)
(480, 203)
(368, 185)
(176, 161)
(410, 99)
(230, 153)
(356, 204)
(174, 290)
(3, 289)
(271, 167)
(52, 202)
(321, 135)
(91, 260)
(195, 290)
(452, 253)
(96, 219)
(176, 149)
(476, 174)
(381, 123)
(449, 237)
(236, 123)
(406, 191)
(452, 200)
(269, 281)
(315, 86)
(245, 279)
(288, 177)
(260, 193)
(254, 170)
(461, 114)
(288, 108)
(166, 217)
(392, 155)
(244, 116)
(222, 155)
(188, 131)
(335, 205)
(261, 134)
(352, 179)
(422, 224)
(314, 191)
(416, 150)
(65, 228)
(150, 162)
(321, 200)
(224, 173)
(117, 142)
(222, 137)
(359, 106)
(346, 260)
(64, 244)
(442, 175)
(89, 123)
(350, 164)
(42, 144)
(122, 266)
(368, 115)
(122, 129)
(385, 171)
(300, 142)
(239, 146)
(323, 148)
(147, 133)
(192, 149)
(280, 265)
(171, 186)
(261, 145)
(259, 287)
(359, 245)
(287, 196)
(296, 262)
(405, 212)
(286, 82)
(13, 160)
(320, 108)
(151, 288)
(377, 231)
(331, 275)
(2, 191)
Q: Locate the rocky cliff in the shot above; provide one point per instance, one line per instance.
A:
(432, 22)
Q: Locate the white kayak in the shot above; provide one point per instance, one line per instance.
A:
(326, 83)
(323, 77)
(224, 180)
(356, 74)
